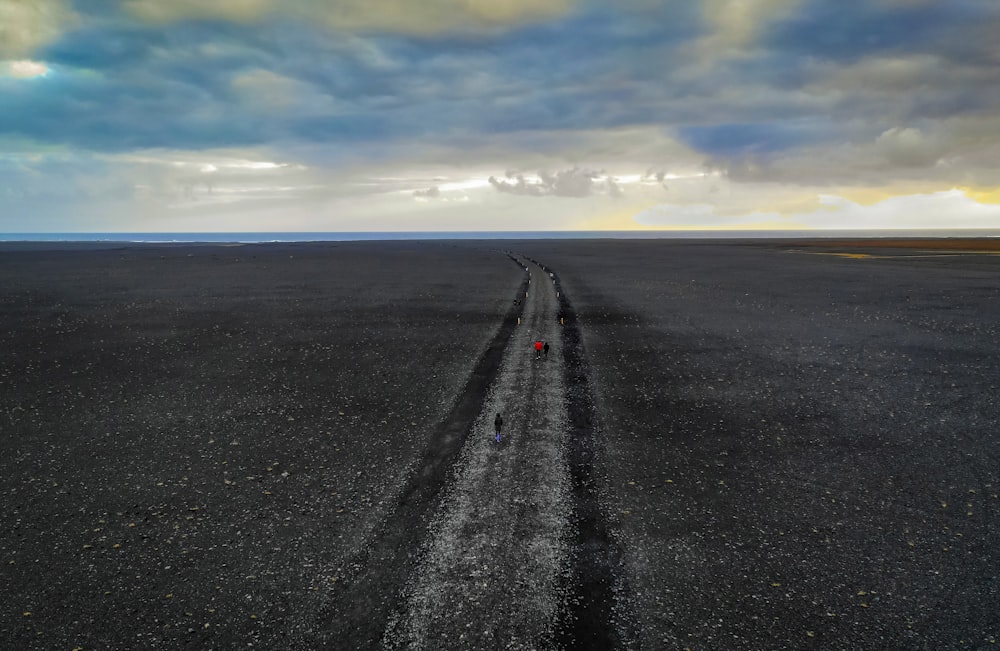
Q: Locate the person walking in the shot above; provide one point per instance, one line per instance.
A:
(538, 349)
(498, 425)
(545, 348)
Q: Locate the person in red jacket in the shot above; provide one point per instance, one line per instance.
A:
(538, 349)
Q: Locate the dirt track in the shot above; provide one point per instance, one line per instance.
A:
(492, 566)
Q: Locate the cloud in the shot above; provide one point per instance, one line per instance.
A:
(518, 186)
(736, 24)
(909, 147)
(573, 182)
(654, 175)
(705, 217)
(753, 107)
(945, 209)
(284, 98)
(853, 31)
(119, 47)
(25, 26)
(23, 69)
(358, 86)
(154, 11)
(948, 209)
(758, 138)
(426, 18)
(432, 192)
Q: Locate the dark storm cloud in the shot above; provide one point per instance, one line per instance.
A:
(108, 115)
(848, 30)
(105, 48)
(753, 138)
(818, 73)
(119, 85)
(128, 88)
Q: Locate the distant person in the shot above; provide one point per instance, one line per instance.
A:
(498, 425)
(538, 350)
(545, 349)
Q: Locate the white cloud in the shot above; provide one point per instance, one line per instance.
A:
(706, 216)
(572, 182)
(24, 69)
(945, 209)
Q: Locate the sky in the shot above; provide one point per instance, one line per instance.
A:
(486, 115)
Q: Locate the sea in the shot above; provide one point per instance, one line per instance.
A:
(264, 237)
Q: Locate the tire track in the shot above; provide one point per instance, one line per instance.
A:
(598, 616)
(362, 604)
(494, 567)
(499, 545)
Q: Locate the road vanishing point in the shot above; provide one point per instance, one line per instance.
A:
(498, 545)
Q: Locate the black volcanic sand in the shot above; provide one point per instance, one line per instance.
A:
(195, 440)
(792, 449)
(800, 450)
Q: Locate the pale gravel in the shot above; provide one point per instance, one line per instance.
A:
(495, 564)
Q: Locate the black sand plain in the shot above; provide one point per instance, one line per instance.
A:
(801, 446)
(796, 449)
(197, 440)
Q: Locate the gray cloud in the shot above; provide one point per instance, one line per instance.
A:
(432, 192)
(573, 182)
(909, 147)
(819, 93)
(518, 186)
(121, 84)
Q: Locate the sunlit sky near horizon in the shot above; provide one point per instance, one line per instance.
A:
(459, 115)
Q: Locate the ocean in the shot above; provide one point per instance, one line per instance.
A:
(263, 237)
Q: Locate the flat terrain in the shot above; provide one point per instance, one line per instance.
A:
(800, 450)
(196, 441)
(732, 445)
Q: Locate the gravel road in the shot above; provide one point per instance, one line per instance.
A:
(494, 565)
